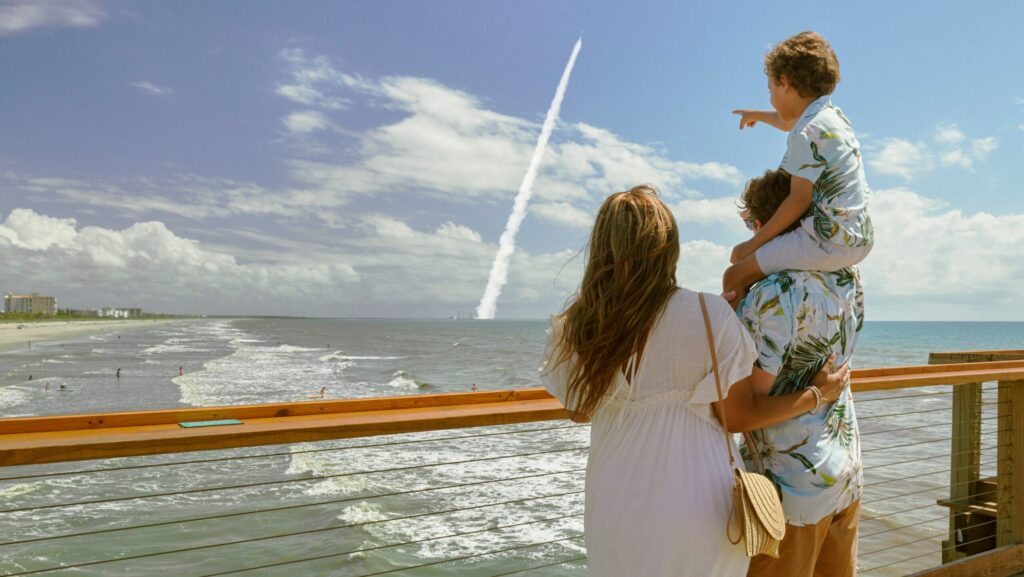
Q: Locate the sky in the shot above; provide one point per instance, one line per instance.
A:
(360, 158)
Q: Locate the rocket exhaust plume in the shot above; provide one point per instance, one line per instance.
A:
(507, 244)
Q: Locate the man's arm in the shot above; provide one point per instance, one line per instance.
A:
(769, 117)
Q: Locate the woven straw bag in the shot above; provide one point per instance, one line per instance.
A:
(755, 501)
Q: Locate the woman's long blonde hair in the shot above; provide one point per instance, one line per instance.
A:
(629, 276)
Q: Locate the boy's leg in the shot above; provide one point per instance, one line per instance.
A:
(800, 250)
(740, 276)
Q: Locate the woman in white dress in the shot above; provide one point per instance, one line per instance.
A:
(630, 354)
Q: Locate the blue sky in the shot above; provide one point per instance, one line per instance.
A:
(360, 158)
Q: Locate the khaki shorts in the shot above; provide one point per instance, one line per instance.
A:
(800, 250)
(827, 549)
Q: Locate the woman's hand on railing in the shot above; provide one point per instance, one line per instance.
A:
(832, 381)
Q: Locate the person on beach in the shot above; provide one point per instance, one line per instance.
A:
(828, 196)
(797, 320)
(630, 354)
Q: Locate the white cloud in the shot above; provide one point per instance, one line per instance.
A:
(957, 157)
(907, 159)
(150, 88)
(458, 232)
(563, 213)
(701, 265)
(311, 80)
(305, 122)
(148, 259)
(709, 211)
(901, 157)
(982, 147)
(449, 145)
(927, 252)
(17, 16)
(948, 134)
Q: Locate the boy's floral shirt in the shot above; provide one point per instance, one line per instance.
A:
(798, 318)
(823, 149)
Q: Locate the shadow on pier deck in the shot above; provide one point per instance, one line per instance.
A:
(478, 484)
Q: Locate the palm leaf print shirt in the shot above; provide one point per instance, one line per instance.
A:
(797, 319)
(823, 149)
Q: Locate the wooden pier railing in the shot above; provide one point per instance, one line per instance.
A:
(45, 440)
(980, 500)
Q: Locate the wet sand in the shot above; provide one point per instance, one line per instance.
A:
(11, 337)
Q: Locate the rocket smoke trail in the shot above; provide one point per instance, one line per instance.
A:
(507, 244)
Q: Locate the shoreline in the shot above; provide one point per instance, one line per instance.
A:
(11, 337)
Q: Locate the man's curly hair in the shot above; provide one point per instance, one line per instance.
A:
(764, 195)
(808, 61)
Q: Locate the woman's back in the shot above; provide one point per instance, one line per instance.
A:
(658, 476)
(676, 362)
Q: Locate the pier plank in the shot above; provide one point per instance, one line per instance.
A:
(1001, 562)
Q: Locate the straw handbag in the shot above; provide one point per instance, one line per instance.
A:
(755, 501)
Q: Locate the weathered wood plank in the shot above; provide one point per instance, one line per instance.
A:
(965, 454)
(244, 412)
(76, 437)
(1010, 455)
(1000, 562)
(974, 356)
(57, 446)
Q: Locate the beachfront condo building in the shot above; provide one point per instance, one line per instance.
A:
(32, 304)
(119, 313)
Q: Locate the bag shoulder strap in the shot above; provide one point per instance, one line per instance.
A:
(718, 379)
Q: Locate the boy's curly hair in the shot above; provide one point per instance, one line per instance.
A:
(764, 194)
(808, 61)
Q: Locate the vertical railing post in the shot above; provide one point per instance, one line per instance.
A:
(1009, 482)
(965, 460)
(964, 451)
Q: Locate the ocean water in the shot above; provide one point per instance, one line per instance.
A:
(509, 487)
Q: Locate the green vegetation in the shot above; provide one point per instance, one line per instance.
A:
(63, 315)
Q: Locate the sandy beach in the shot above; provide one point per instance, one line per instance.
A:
(11, 337)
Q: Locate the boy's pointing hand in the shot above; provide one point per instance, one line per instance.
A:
(747, 117)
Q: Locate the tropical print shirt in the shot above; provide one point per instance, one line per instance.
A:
(797, 319)
(823, 149)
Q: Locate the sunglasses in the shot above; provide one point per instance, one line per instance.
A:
(748, 220)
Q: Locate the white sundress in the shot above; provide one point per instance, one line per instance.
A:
(658, 482)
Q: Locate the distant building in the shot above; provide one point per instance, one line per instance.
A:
(119, 313)
(32, 304)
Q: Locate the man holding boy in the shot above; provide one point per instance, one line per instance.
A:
(797, 320)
